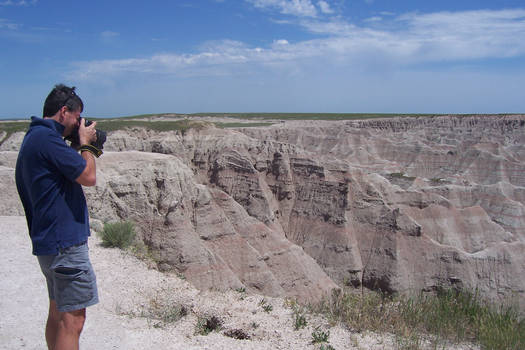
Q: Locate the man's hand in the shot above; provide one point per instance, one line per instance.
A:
(86, 134)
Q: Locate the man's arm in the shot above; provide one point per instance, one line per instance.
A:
(88, 177)
(87, 134)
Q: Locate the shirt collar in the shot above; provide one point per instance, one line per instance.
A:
(48, 123)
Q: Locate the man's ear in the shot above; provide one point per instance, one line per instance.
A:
(61, 114)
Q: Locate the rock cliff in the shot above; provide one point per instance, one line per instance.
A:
(299, 208)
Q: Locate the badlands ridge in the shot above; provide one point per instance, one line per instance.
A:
(301, 207)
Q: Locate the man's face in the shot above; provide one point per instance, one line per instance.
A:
(71, 120)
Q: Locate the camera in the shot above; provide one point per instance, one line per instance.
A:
(101, 136)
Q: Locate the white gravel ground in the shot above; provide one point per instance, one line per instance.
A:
(128, 289)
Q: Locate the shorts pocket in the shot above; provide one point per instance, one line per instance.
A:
(73, 286)
(68, 272)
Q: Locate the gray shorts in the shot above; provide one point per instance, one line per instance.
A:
(71, 281)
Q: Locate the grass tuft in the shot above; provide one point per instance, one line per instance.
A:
(118, 234)
(265, 306)
(165, 312)
(161, 310)
(299, 320)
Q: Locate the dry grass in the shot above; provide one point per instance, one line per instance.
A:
(450, 316)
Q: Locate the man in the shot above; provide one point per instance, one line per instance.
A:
(49, 175)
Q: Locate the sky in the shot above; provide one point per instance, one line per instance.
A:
(296, 56)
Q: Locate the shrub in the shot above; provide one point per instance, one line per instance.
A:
(118, 234)
(320, 336)
(206, 325)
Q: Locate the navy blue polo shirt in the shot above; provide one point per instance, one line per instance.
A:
(54, 203)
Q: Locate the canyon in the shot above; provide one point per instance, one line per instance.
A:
(298, 208)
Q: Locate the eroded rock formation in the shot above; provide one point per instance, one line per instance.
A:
(296, 209)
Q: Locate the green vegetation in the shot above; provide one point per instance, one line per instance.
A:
(299, 318)
(438, 181)
(448, 316)
(165, 313)
(292, 116)
(118, 234)
(169, 125)
(172, 121)
(241, 125)
(206, 325)
(242, 292)
(298, 313)
(160, 311)
(308, 116)
(402, 176)
(12, 127)
(326, 347)
(266, 307)
(320, 336)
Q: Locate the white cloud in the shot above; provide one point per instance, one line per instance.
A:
(436, 36)
(467, 35)
(387, 13)
(4, 23)
(281, 42)
(18, 3)
(325, 7)
(332, 28)
(410, 39)
(374, 19)
(107, 34)
(299, 8)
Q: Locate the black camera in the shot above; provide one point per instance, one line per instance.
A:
(101, 136)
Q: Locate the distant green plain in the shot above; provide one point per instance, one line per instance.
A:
(152, 121)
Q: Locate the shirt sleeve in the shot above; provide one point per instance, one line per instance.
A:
(67, 161)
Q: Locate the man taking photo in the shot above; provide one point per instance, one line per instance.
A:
(49, 179)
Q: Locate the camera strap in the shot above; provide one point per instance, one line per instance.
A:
(90, 148)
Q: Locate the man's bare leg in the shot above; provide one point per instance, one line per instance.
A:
(69, 329)
(63, 328)
(52, 325)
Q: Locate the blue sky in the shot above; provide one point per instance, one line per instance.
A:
(334, 56)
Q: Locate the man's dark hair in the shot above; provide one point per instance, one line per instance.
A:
(59, 97)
